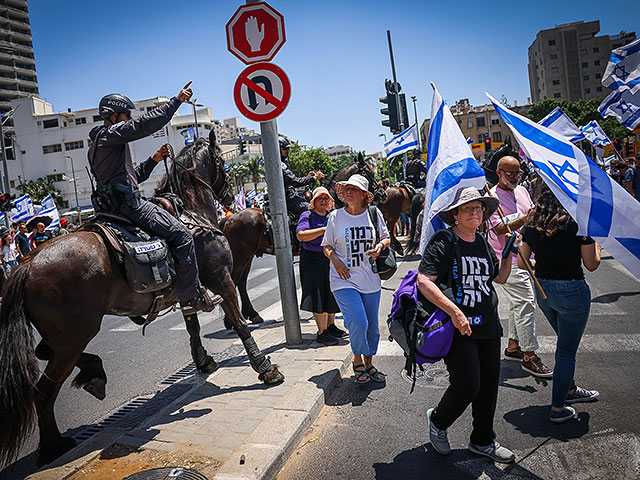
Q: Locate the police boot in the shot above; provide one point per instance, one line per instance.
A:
(203, 302)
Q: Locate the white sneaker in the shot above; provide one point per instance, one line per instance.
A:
(494, 451)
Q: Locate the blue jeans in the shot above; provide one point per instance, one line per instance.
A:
(360, 312)
(567, 309)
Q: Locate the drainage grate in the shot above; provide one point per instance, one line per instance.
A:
(167, 473)
(187, 371)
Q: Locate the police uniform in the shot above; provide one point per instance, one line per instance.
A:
(414, 168)
(110, 158)
(295, 203)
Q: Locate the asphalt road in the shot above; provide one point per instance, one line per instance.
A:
(374, 432)
(136, 364)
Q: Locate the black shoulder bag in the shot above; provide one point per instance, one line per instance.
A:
(386, 261)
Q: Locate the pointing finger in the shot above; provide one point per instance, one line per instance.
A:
(187, 85)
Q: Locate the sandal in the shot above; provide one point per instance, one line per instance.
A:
(376, 375)
(361, 373)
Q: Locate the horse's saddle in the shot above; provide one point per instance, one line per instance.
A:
(146, 259)
(411, 190)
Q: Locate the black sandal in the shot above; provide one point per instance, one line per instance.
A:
(361, 373)
(376, 375)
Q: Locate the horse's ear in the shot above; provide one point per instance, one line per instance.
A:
(360, 158)
(212, 137)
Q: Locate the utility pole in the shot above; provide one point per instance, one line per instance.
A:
(414, 99)
(5, 168)
(399, 110)
(75, 186)
(195, 114)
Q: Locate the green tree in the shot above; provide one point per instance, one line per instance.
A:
(344, 160)
(253, 170)
(39, 189)
(581, 112)
(305, 160)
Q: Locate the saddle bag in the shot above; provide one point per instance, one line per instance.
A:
(148, 265)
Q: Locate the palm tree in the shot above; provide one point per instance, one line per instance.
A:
(254, 170)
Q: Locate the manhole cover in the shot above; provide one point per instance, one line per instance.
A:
(167, 473)
(435, 375)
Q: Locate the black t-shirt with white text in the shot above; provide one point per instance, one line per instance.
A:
(479, 266)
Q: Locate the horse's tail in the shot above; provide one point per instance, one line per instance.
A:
(18, 367)
(416, 207)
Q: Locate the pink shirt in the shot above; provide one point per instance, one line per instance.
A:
(514, 204)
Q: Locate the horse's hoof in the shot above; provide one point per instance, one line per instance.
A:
(48, 455)
(271, 376)
(209, 366)
(256, 320)
(97, 388)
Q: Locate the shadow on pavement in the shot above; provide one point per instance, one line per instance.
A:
(513, 370)
(534, 421)
(425, 462)
(612, 297)
(347, 392)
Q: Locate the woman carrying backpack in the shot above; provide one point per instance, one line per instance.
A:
(552, 236)
(473, 362)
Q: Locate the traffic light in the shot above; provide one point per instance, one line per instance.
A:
(629, 150)
(616, 145)
(403, 112)
(487, 143)
(5, 201)
(242, 147)
(391, 110)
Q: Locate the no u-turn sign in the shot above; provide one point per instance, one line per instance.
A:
(262, 91)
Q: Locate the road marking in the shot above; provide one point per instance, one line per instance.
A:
(274, 312)
(257, 272)
(127, 327)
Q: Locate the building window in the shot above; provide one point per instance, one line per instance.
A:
(553, 57)
(598, 89)
(598, 75)
(587, 90)
(556, 82)
(596, 49)
(56, 177)
(81, 121)
(480, 137)
(585, 64)
(74, 145)
(480, 122)
(552, 43)
(585, 77)
(97, 118)
(50, 123)
(596, 63)
(556, 95)
(469, 124)
(583, 51)
(555, 69)
(495, 121)
(497, 136)
(51, 148)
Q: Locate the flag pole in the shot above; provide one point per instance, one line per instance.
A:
(526, 262)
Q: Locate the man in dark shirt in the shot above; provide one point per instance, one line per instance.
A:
(40, 235)
(295, 203)
(22, 240)
(416, 171)
(117, 180)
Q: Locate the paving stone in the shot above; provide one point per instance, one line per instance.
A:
(230, 440)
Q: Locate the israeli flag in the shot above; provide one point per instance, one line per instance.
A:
(602, 208)
(23, 210)
(251, 194)
(450, 166)
(241, 201)
(50, 210)
(623, 69)
(559, 122)
(189, 135)
(594, 133)
(405, 142)
(624, 105)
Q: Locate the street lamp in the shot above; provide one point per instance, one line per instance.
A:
(75, 185)
(195, 115)
(415, 117)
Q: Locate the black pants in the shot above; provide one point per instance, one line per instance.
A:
(474, 372)
(297, 205)
(157, 221)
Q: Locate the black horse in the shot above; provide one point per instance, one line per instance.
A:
(66, 286)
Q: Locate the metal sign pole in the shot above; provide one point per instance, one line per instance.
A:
(282, 244)
(7, 187)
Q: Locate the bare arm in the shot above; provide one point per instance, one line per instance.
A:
(525, 251)
(311, 234)
(591, 256)
(432, 293)
(341, 268)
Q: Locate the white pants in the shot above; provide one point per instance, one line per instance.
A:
(520, 298)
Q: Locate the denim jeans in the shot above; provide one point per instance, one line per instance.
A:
(360, 313)
(567, 309)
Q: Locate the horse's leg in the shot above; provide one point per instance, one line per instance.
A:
(267, 372)
(395, 243)
(204, 362)
(247, 308)
(52, 444)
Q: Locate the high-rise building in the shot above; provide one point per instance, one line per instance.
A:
(567, 62)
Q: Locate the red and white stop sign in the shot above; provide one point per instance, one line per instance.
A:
(255, 33)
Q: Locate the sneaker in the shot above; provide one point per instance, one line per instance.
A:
(437, 437)
(494, 451)
(335, 331)
(582, 395)
(326, 339)
(535, 367)
(567, 413)
(517, 355)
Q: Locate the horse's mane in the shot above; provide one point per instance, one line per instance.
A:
(188, 157)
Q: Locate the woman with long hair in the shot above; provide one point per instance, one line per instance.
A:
(552, 235)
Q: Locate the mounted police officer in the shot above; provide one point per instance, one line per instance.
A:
(416, 171)
(295, 203)
(117, 185)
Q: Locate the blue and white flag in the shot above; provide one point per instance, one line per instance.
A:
(251, 194)
(405, 142)
(241, 201)
(602, 208)
(559, 122)
(624, 105)
(450, 166)
(623, 69)
(594, 133)
(23, 210)
(50, 210)
(189, 135)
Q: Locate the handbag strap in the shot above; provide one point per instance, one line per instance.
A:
(373, 215)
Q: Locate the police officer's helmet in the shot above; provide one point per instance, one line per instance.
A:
(115, 103)
(284, 142)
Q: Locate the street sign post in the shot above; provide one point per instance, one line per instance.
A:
(262, 91)
(255, 33)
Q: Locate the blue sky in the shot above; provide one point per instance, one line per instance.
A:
(336, 54)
